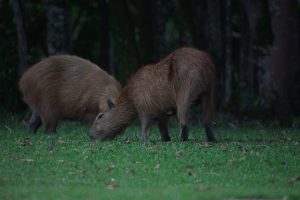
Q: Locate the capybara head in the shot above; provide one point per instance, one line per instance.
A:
(103, 127)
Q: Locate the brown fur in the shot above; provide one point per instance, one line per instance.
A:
(155, 90)
(66, 87)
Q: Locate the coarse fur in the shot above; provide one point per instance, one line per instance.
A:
(66, 87)
(155, 90)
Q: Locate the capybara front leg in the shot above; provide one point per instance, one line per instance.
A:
(164, 131)
(35, 122)
(50, 123)
(209, 133)
(184, 132)
(182, 108)
(146, 123)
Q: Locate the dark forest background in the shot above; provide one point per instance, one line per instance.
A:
(255, 44)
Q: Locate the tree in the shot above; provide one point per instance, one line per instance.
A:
(283, 62)
(106, 39)
(18, 11)
(150, 19)
(251, 11)
(212, 33)
(58, 26)
(226, 51)
(124, 41)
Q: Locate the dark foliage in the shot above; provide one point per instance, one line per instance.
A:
(120, 36)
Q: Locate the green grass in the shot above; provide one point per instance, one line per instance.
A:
(249, 162)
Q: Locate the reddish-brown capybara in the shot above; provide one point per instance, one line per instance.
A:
(155, 90)
(66, 87)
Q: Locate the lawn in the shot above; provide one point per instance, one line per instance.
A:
(249, 162)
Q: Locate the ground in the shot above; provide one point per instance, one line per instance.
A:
(248, 162)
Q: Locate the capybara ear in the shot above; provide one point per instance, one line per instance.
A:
(99, 116)
(110, 104)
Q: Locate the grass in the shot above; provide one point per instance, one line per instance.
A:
(248, 162)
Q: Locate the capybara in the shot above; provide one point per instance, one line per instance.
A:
(155, 90)
(65, 87)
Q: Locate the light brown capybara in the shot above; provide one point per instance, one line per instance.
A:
(155, 90)
(65, 87)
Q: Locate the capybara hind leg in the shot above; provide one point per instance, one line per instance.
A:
(208, 113)
(163, 128)
(146, 123)
(35, 122)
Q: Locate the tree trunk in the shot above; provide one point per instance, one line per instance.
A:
(22, 39)
(251, 12)
(212, 33)
(151, 22)
(181, 9)
(58, 27)
(106, 62)
(160, 20)
(123, 37)
(284, 59)
(226, 50)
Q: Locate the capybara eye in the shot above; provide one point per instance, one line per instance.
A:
(99, 116)
(110, 104)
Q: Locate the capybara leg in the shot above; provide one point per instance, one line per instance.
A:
(209, 133)
(35, 122)
(49, 125)
(182, 108)
(208, 113)
(184, 132)
(146, 123)
(164, 131)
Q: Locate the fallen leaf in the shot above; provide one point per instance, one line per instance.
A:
(293, 180)
(135, 162)
(110, 169)
(51, 149)
(200, 189)
(127, 141)
(224, 147)
(178, 154)
(243, 158)
(24, 141)
(189, 166)
(130, 171)
(243, 149)
(26, 160)
(207, 144)
(112, 185)
(60, 141)
(231, 161)
(157, 166)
